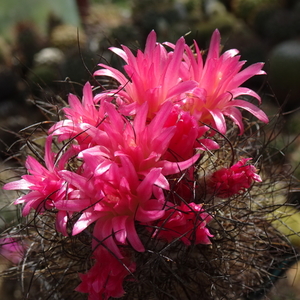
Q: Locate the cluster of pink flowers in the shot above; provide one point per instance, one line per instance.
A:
(125, 151)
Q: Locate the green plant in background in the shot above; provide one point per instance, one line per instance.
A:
(14, 11)
(27, 44)
(284, 66)
(66, 37)
(247, 9)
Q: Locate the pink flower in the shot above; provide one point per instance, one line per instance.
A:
(225, 183)
(105, 279)
(147, 143)
(152, 76)
(218, 91)
(44, 183)
(210, 91)
(186, 222)
(187, 137)
(84, 119)
(12, 250)
(114, 201)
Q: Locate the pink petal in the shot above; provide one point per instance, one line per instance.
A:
(133, 237)
(159, 120)
(88, 98)
(49, 155)
(119, 227)
(254, 110)
(120, 53)
(61, 222)
(244, 91)
(208, 144)
(17, 185)
(144, 190)
(139, 121)
(103, 233)
(219, 120)
(76, 180)
(177, 167)
(86, 219)
(111, 72)
(181, 88)
(74, 205)
(152, 210)
(173, 68)
(241, 77)
(34, 167)
(74, 103)
(234, 114)
(214, 47)
(151, 42)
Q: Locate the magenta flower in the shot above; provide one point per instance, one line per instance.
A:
(218, 91)
(84, 119)
(152, 77)
(209, 91)
(113, 201)
(186, 222)
(105, 279)
(235, 180)
(44, 183)
(12, 250)
(148, 143)
(187, 137)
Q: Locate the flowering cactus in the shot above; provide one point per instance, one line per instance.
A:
(127, 157)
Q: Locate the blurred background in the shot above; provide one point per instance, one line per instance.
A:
(50, 48)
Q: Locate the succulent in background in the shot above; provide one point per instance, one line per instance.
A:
(284, 73)
(166, 17)
(102, 20)
(247, 9)
(78, 67)
(45, 72)
(5, 53)
(280, 25)
(49, 56)
(28, 43)
(66, 37)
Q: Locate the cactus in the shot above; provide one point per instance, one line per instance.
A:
(284, 66)
(28, 42)
(247, 9)
(66, 37)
